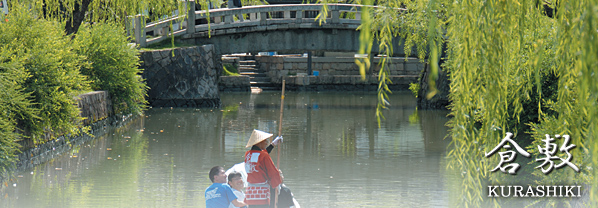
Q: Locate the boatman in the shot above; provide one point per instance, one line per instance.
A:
(262, 176)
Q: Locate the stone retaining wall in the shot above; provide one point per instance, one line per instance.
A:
(96, 107)
(345, 83)
(181, 77)
(337, 73)
(234, 84)
(279, 66)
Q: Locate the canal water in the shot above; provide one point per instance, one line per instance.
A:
(334, 155)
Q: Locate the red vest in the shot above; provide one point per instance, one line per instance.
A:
(261, 175)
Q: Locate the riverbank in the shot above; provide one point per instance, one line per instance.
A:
(96, 108)
(191, 74)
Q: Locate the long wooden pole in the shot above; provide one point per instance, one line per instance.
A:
(279, 134)
(280, 124)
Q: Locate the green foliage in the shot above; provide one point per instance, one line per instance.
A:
(168, 44)
(417, 22)
(496, 75)
(40, 76)
(512, 69)
(113, 65)
(110, 11)
(253, 2)
(230, 70)
(414, 87)
(14, 106)
(8, 146)
(507, 59)
(52, 72)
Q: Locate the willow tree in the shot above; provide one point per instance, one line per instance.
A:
(512, 68)
(76, 12)
(504, 54)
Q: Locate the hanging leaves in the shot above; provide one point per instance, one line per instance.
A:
(502, 58)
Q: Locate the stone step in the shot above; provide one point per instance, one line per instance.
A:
(247, 65)
(259, 79)
(270, 88)
(246, 57)
(253, 74)
(250, 71)
(247, 68)
(242, 57)
(261, 84)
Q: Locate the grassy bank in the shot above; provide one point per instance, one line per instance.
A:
(42, 70)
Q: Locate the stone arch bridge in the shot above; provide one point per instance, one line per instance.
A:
(285, 28)
(188, 77)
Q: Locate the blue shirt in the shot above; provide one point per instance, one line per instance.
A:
(219, 195)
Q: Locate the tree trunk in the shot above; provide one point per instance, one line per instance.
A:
(441, 99)
(438, 101)
(72, 25)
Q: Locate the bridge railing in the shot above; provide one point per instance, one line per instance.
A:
(248, 16)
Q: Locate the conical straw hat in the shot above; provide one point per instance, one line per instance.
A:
(257, 136)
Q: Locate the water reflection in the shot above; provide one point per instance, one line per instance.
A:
(334, 155)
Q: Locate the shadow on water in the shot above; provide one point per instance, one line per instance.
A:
(334, 155)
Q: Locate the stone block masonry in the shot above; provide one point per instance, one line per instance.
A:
(338, 73)
(95, 107)
(181, 77)
(235, 84)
